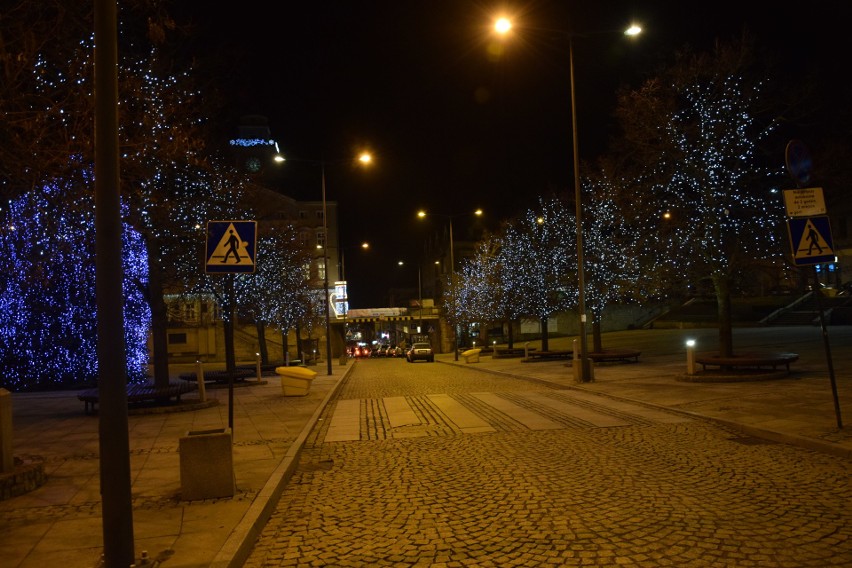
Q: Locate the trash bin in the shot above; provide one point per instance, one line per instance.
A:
(207, 464)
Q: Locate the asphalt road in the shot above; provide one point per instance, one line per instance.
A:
(440, 465)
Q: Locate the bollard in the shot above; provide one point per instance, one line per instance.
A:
(527, 350)
(575, 363)
(259, 373)
(690, 356)
(199, 378)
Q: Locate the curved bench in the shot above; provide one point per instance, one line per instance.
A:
(138, 393)
(747, 360)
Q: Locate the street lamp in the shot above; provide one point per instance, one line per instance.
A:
(422, 215)
(363, 246)
(582, 373)
(365, 158)
(419, 294)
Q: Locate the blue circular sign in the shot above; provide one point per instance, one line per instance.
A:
(799, 162)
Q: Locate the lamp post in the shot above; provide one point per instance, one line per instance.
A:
(363, 246)
(365, 158)
(422, 215)
(582, 373)
(419, 294)
(326, 298)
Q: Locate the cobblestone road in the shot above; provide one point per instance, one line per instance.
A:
(550, 477)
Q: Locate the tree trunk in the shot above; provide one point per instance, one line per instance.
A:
(722, 284)
(159, 315)
(285, 345)
(511, 335)
(597, 341)
(261, 342)
(545, 344)
(300, 348)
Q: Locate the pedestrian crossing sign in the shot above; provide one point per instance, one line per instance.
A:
(231, 246)
(810, 240)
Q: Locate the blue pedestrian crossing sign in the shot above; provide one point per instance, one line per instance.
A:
(231, 246)
(810, 239)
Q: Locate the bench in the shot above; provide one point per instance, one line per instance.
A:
(139, 393)
(240, 374)
(747, 360)
(547, 355)
(514, 352)
(608, 355)
(471, 355)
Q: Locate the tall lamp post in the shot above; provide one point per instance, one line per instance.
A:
(422, 215)
(326, 298)
(419, 294)
(583, 373)
(363, 246)
(365, 158)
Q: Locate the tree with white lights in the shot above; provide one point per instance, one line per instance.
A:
(536, 247)
(706, 205)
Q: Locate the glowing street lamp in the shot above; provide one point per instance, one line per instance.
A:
(583, 372)
(422, 214)
(364, 158)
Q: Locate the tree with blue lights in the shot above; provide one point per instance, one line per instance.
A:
(48, 317)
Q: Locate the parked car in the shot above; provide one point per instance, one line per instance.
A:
(420, 352)
(395, 351)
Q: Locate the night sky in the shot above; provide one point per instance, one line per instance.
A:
(454, 122)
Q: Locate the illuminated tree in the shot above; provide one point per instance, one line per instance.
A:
(707, 200)
(612, 267)
(46, 97)
(534, 249)
(48, 315)
(275, 294)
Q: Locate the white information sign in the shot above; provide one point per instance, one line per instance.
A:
(804, 202)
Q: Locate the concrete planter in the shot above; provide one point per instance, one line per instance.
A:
(295, 381)
(207, 464)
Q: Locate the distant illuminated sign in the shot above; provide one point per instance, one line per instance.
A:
(339, 299)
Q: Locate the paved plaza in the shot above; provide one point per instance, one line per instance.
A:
(494, 463)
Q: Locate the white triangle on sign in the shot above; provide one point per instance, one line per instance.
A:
(231, 250)
(812, 243)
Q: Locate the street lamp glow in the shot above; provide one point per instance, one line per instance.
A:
(582, 372)
(422, 214)
(365, 159)
(502, 25)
